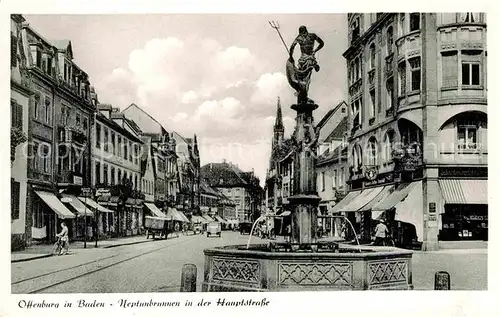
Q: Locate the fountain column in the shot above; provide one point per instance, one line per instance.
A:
(305, 199)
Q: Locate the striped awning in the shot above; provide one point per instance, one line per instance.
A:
(155, 211)
(93, 204)
(347, 199)
(362, 199)
(384, 193)
(55, 204)
(464, 191)
(80, 207)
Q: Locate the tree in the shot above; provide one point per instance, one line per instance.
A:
(17, 137)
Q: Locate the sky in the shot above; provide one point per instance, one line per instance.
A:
(214, 75)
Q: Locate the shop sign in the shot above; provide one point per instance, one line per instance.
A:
(101, 192)
(387, 178)
(86, 192)
(77, 180)
(463, 172)
(476, 217)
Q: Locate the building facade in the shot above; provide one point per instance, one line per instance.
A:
(20, 94)
(418, 125)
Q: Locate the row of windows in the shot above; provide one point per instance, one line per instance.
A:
(113, 144)
(338, 179)
(109, 176)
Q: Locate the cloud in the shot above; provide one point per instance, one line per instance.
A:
(179, 117)
(189, 97)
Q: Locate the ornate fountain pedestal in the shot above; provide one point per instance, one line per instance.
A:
(305, 265)
(236, 269)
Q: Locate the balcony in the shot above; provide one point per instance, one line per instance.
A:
(72, 135)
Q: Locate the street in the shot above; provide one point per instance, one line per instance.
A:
(156, 267)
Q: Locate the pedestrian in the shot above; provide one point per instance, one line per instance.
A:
(63, 236)
(381, 233)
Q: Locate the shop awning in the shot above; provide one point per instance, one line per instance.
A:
(198, 219)
(209, 219)
(157, 212)
(464, 191)
(55, 204)
(183, 216)
(80, 208)
(173, 214)
(362, 199)
(384, 193)
(93, 204)
(219, 219)
(407, 210)
(347, 199)
(395, 197)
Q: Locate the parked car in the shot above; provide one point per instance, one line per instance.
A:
(214, 228)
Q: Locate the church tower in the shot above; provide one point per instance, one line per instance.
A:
(279, 128)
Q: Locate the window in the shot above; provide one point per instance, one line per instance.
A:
(16, 115)
(13, 50)
(372, 56)
(113, 142)
(357, 69)
(36, 107)
(14, 199)
(467, 135)
(136, 149)
(469, 17)
(112, 179)
(38, 58)
(97, 173)
(471, 70)
(356, 112)
(414, 22)
(85, 124)
(355, 30)
(372, 152)
(119, 176)
(402, 78)
(105, 173)
(390, 40)
(46, 158)
(136, 184)
(98, 135)
(402, 24)
(48, 111)
(125, 149)
(449, 69)
(334, 179)
(130, 151)
(322, 181)
(372, 103)
(341, 177)
(62, 118)
(415, 73)
(106, 143)
(389, 86)
(388, 146)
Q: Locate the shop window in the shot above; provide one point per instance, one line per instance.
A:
(414, 22)
(402, 78)
(467, 132)
(14, 199)
(38, 221)
(449, 69)
(415, 73)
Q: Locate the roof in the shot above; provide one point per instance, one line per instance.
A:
(116, 127)
(327, 116)
(163, 130)
(224, 175)
(339, 132)
(281, 151)
(61, 44)
(339, 154)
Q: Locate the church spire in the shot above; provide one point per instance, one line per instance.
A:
(279, 128)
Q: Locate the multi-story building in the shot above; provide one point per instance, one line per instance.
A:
(164, 159)
(418, 125)
(242, 190)
(331, 166)
(116, 171)
(20, 93)
(59, 133)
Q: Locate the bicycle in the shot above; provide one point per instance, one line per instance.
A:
(56, 250)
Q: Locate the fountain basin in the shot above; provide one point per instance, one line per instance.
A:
(259, 269)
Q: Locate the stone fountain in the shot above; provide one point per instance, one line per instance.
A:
(305, 264)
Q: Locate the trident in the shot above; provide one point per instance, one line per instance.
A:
(275, 25)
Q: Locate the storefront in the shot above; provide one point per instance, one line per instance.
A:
(102, 214)
(82, 224)
(465, 215)
(47, 221)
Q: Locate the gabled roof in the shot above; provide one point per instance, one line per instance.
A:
(329, 114)
(339, 131)
(222, 175)
(133, 105)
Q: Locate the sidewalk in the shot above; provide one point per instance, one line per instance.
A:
(44, 250)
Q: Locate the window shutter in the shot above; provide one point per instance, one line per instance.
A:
(450, 69)
(13, 113)
(15, 191)
(13, 50)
